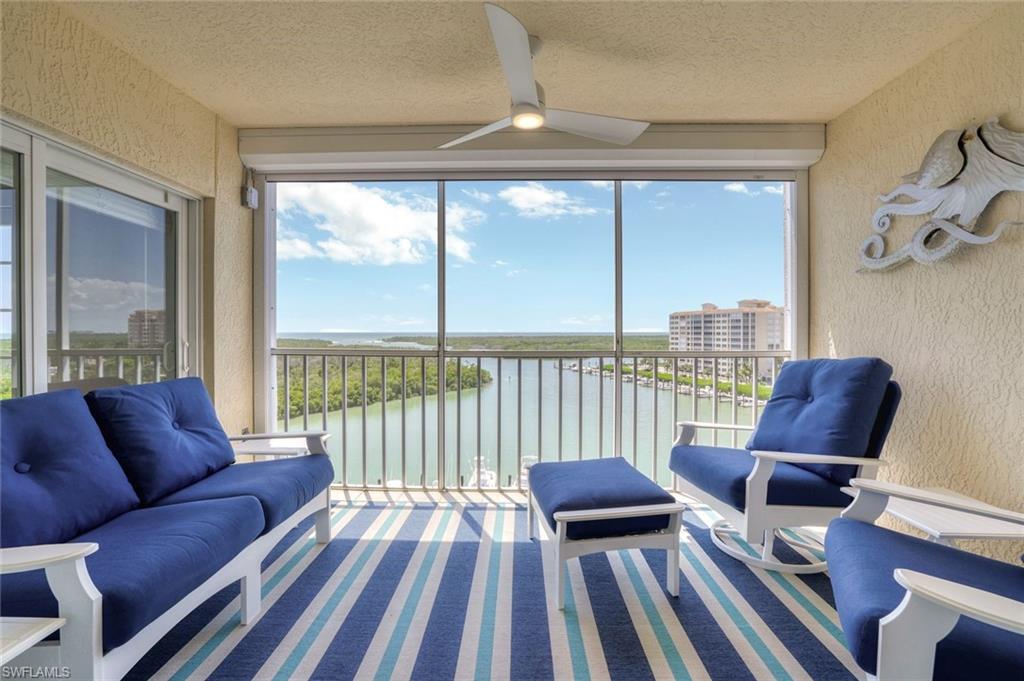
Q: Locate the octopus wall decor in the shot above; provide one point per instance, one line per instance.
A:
(961, 173)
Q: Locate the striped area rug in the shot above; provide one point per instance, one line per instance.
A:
(452, 590)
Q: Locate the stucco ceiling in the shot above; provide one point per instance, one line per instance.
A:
(397, 63)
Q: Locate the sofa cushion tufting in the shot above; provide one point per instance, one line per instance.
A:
(58, 478)
(825, 406)
(166, 435)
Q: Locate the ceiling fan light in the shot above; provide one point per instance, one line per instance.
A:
(527, 117)
(528, 121)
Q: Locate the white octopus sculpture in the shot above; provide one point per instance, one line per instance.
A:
(961, 173)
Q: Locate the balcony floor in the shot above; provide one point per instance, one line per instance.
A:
(436, 586)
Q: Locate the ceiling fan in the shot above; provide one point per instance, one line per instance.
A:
(516, 50)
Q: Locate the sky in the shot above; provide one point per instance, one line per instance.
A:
(521, 256)
(118, 256)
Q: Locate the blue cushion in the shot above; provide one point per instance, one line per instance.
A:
(282, 487)
(722, 473)
(592, 484)
(824, 406)
(861, 560)
(58, 479)
(166, 435)
(148, 560)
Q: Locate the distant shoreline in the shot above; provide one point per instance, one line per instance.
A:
(598, 342)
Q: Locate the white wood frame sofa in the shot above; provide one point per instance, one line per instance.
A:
(80, 651)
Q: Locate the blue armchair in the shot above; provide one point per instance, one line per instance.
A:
(825, 423)
(917, 609)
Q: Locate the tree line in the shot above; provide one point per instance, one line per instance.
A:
(351, 389)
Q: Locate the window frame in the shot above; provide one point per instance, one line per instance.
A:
(265, 262)
(21, 145)
(38, 153)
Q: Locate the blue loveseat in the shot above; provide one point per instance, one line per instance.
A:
(130, 507)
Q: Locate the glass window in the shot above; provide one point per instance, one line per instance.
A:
(530, 265)
(703, 270)
(110, 284)
(357, 267)
(357, 263)
(10, 227)
(703, 265)
(529, 307)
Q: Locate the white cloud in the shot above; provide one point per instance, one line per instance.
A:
(663, 193)
(514, 273)
(104, 304)
(500, 263)
(601, 184)
(99, 295)
(373, 226)
(535, 200)
(637, 184)
(474, 193)
(296, 248)
(425, 288)
(583, 321)
(740, 188)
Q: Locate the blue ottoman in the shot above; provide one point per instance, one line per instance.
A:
(600, 505)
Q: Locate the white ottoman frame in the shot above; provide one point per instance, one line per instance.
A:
(562, 548)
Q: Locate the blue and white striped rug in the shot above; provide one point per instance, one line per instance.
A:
(456, 590)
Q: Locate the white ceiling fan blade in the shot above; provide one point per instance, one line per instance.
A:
(603, 128)
(513, 45)
(486, 130)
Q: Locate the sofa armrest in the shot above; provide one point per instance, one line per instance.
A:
(873, 496)
(793, 457)
(984, 606)
(259, 444)
(41, 556)
(79, 602)
(930, 609)
(688, 429)
(764, 466)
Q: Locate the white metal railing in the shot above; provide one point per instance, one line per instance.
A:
(399, 422)
(134, 365)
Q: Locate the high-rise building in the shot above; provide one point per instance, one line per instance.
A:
(147, 328)
(751, 325)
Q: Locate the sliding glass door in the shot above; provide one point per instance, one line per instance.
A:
(98, 272)
(110, 272)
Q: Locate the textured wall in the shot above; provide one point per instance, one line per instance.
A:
(954, 331)
(227, 309)
(64, 77)
(61, 76)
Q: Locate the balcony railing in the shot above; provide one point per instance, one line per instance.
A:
(134, 365)
(501, 411)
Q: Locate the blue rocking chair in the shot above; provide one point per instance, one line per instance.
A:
(824, 424)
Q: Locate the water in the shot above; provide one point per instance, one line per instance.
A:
(587, 400)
